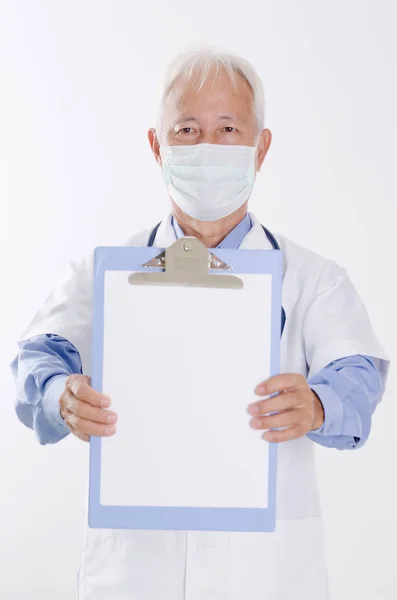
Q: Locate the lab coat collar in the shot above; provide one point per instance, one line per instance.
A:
(255, 238)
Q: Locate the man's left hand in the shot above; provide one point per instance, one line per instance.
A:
(298, 408)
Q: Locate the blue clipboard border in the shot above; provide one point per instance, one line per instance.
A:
(180, 518)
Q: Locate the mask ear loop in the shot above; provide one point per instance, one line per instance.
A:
(257, 149)
(256, 170)
(258, 138)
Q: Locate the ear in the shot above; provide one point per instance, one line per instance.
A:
(155, 145)
(265, 140)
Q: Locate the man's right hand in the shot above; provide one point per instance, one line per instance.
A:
(83, 409)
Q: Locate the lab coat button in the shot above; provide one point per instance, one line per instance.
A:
(201, 546)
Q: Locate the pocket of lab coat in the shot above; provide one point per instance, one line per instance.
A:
(133, 564)
(287, 564)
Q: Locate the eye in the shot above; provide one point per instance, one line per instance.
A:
(186, 130)
(230, 129)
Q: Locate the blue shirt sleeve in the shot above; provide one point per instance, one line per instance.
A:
(349, 389)
(40, 369)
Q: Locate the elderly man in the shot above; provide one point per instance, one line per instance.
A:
(210, 143)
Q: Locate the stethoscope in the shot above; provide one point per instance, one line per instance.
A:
(270, 237)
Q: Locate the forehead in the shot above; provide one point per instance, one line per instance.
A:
(218, 94)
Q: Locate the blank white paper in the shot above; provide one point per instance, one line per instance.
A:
(180, 365)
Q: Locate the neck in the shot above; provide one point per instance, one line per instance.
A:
(210, 233)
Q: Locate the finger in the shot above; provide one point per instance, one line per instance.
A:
(87, 411)
(82, 436)
(77, 377)
(64, 415)
(278, 383)
(83, 391)
(292, 433)
(287, 418)
(284, 401)
(88, 427)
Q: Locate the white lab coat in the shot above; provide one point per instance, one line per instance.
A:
(326, 320)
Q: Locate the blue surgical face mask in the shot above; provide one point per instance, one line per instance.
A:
(209, 181)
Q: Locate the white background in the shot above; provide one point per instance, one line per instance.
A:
(78, 84)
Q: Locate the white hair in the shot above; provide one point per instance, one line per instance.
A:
(202, 62)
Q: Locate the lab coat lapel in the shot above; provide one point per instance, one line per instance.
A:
(256, 239)
(166, 234)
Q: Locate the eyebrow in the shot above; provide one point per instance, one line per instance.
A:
(187, 119)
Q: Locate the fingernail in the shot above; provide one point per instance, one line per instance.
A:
(253, 409)
(260, 390)
(112, 418)
(110, 430)
(105, 402)
(256, 423)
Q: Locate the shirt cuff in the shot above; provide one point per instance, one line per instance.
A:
(51, 406)
(333, 410)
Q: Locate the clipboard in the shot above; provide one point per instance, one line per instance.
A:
(181, 337)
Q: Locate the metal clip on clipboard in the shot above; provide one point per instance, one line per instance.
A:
(187, 262)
